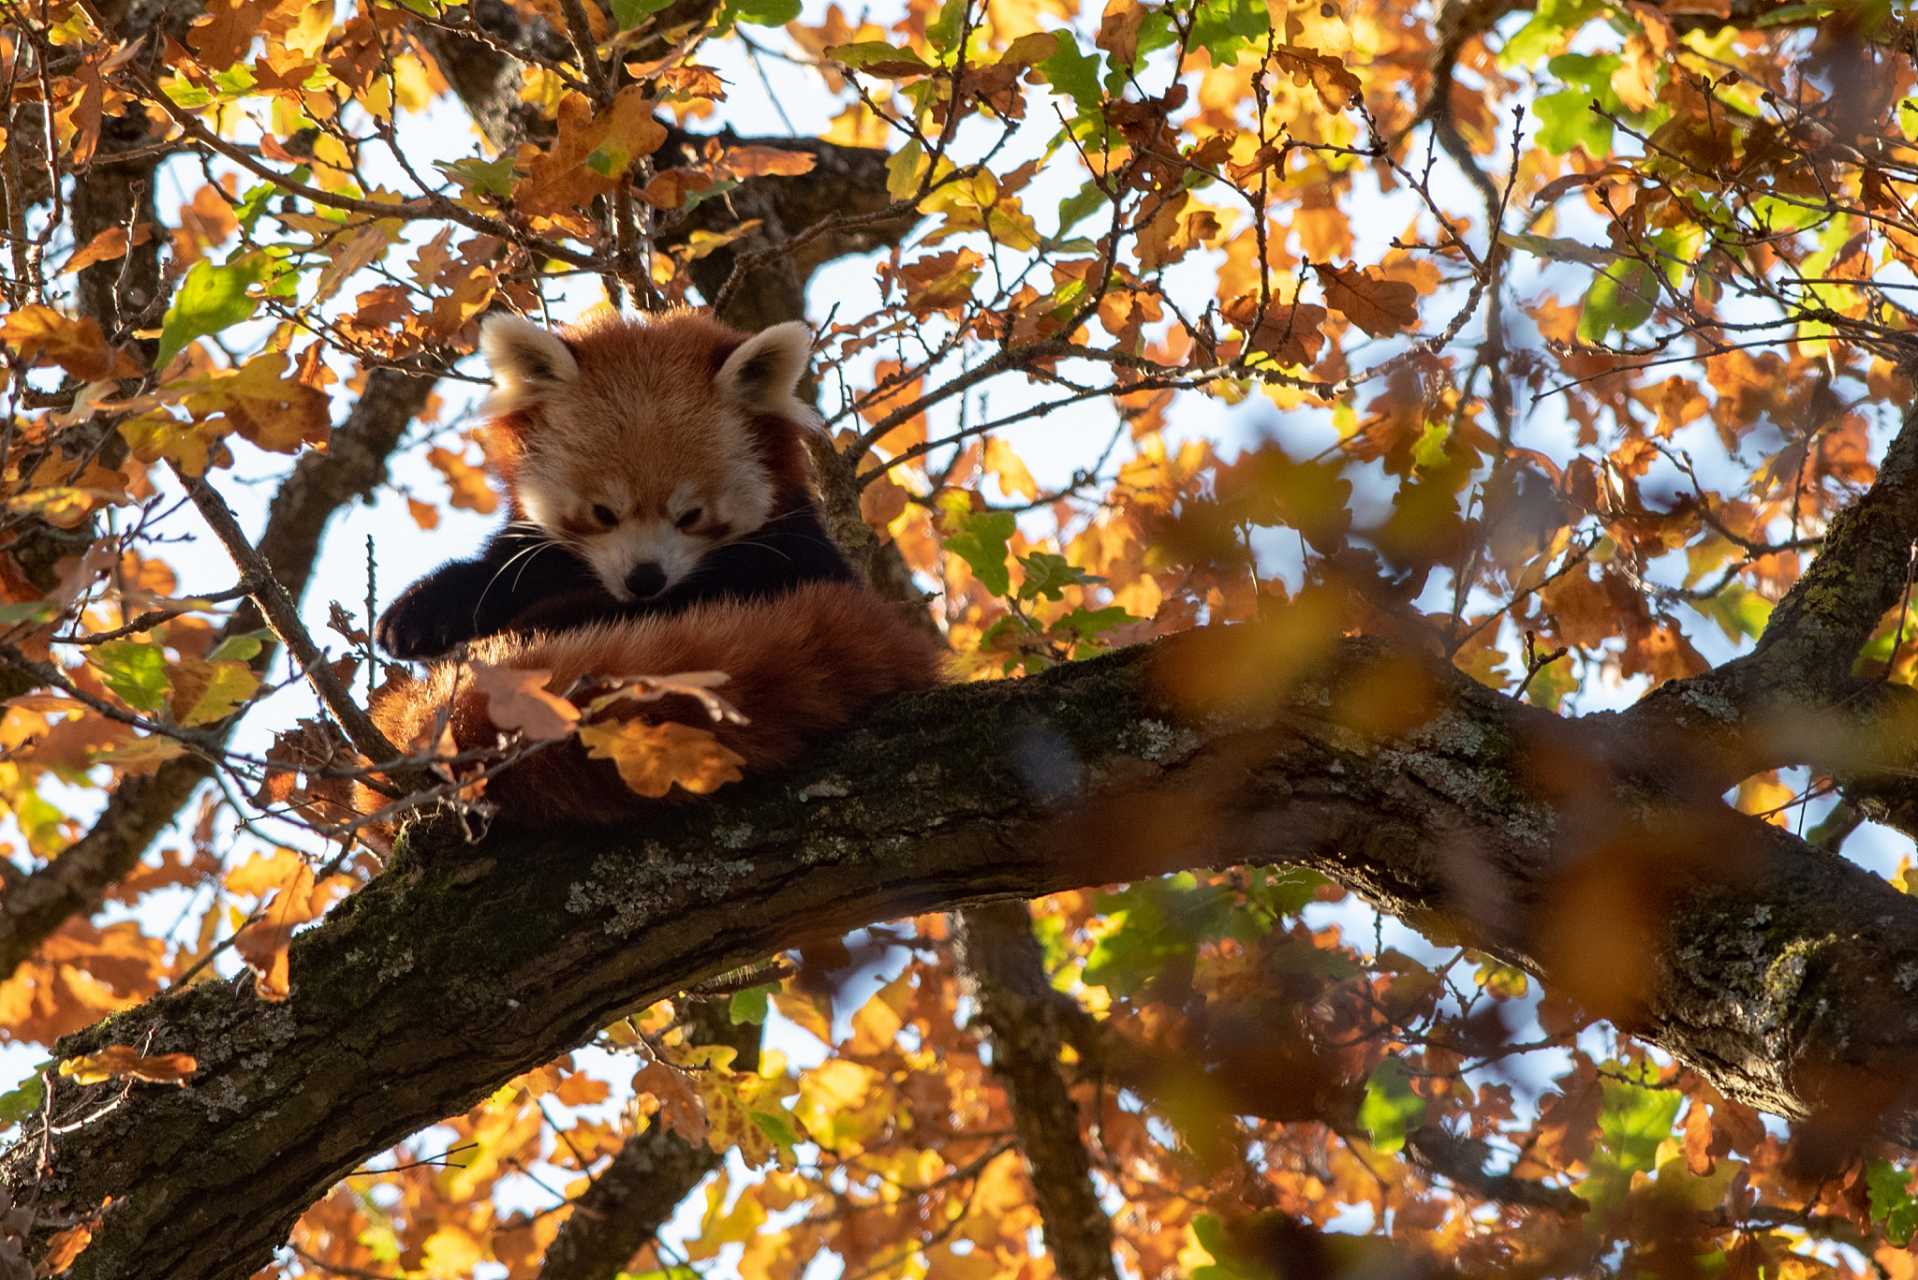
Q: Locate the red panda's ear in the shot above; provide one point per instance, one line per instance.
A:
(526, 361)
(762, 373)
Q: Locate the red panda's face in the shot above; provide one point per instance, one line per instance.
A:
(639, 451)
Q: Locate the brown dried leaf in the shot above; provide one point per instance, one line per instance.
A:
(517, 698)
(1369, 300)
(680, 1109)
(1288, 332)
(1119, 30)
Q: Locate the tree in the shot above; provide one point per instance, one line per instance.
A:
(1541, 609)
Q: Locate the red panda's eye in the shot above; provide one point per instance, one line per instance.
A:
(691, 518)
(605, 516)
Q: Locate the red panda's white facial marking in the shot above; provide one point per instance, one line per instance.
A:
(643, 464)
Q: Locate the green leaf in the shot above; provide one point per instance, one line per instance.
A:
(493, 178)
(765, 13)
(134, 670)
(24, 1099)
(1224, 27)
(1283, 891)
(904, 169)
(1632, 1121)
(1074, 74)
(630, 13)
(1075, 209)
(1620, 298)
(25, 611)
(980, 540)
(1741, 612)
(942, 33)
(1155, 926)
(1226, 1263)
(750, 1005)
(203, 693)
(1552, 24)
(241, 648)
(1567, 120)
(209, 300)
(1088, 623)
(779, 1129)
(1390, 1110)
(879, 58)
(1891, 1199)
(1049, 575)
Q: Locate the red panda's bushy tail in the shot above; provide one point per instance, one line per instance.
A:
(801, 665)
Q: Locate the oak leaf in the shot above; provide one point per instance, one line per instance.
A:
(1119, 30)
(679, 1106)
(207, 691)
(652, 757)
(296, 899)
(471, 489)
(1369, 300)
(42, 335)
(1288, 332)
(517, 698)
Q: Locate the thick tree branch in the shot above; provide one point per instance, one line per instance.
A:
(141, 807)
(1016, 1003)
(1782, 974)
(1794, 700)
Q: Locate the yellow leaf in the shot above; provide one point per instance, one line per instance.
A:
(652, 757)
(125, 1060)
(142, 755)
(451, 1254)
(207, 691)
(1014, 478)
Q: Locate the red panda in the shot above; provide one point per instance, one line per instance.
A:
(661, 503)
(650, 465)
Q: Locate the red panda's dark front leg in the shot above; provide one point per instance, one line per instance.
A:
(466, 599)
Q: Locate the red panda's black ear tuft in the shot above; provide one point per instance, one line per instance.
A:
(526, 361)
(762, 373)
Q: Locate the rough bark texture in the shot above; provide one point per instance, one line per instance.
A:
(1783, 973)
(142, 807)
(1020, 1010)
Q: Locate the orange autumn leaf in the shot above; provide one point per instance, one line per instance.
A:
(125, 1060)
(471, 489)
(680, 1109)
(652, 757)
(296, 899)
(517, 698)
(63, 1249)
(751, 162)
(42, 335)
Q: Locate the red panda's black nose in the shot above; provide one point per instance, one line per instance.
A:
(646, 579)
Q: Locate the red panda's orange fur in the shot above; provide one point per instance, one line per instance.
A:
(800, 666)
